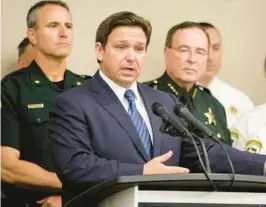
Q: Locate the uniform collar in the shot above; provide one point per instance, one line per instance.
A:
(38, 78)
(175, 88)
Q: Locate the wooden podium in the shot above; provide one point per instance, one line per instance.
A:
(175, 190)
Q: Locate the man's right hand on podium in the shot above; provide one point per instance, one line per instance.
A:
(156, 166)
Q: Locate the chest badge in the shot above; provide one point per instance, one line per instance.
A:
(210, 117)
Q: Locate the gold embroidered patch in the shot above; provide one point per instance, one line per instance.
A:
(194, 93)
(254, 145)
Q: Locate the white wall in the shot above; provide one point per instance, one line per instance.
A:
(242, 24)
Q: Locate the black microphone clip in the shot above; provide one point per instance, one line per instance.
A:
(170, 125)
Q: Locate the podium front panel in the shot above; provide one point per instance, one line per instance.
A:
(183, 198)
(198, 205)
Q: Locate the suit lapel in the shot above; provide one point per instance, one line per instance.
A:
(155, 121)
(109, 101)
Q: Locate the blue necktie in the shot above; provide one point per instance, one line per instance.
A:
(138, 122)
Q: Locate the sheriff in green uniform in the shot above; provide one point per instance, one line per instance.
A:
(27, 95)
(200, 102)
(28, 174)
(186, 53)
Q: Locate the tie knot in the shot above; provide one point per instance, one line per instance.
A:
(129, 95)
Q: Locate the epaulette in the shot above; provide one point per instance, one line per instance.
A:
(14, 74)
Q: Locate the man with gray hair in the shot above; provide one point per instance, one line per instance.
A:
(28, 174)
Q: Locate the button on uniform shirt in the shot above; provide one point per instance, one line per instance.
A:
(250, 131)
(26, 98)
(120, 92)
(200, 103)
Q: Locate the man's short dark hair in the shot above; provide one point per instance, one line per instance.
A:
(182, 26)
(120, 19)
(32, 13)
(23, 46)
(207, 25)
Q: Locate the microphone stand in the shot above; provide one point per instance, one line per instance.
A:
(207, 161)
(170, 130)
(216, 139)
(182, 111)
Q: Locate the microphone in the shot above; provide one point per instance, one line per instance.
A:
(183, 112)
(159, 110)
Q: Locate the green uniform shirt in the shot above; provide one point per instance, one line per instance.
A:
(26, 99)
(201, 104)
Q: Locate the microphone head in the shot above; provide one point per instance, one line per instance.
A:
(179, 109)
(157, 108)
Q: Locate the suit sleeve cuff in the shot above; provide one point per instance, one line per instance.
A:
(132, 169)
(256, 166)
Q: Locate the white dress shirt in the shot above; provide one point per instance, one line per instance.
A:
(250, 131)
(120, 92)
(235, 102)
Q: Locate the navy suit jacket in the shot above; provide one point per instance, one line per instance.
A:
(92, 139)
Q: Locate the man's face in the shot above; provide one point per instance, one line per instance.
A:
(26, 58)
(186, 60)
(215, 53)
(122, 59)
(53, 34)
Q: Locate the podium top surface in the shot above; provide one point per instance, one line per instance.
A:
(174, 182)
(139, 179)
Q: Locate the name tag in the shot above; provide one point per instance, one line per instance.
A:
(35, 106)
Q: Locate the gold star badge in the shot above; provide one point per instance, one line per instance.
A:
(37, 81)
(78, 83)
(210, 116)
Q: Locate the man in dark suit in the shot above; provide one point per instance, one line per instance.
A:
(105, 128)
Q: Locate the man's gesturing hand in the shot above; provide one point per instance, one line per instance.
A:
(156, 166)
